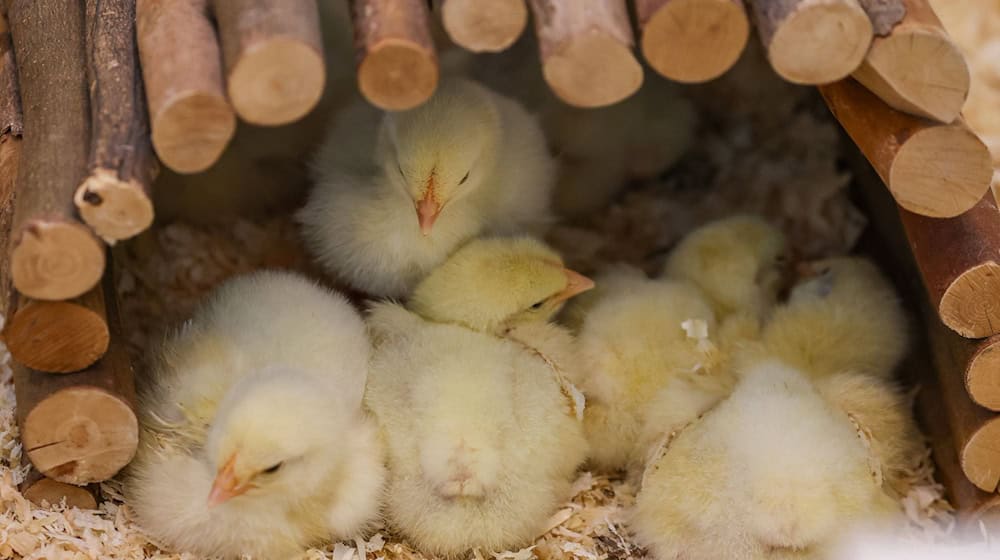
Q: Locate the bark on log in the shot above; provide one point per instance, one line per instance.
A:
(114, 198)
(959, 260)
(884, 14)
(586, 50)
(40, 490)
(692, 41)
(274, 58)
(397, 63)
(937, 170)
(81, 427)
(54, 256)
(59, 336)
(809, 42)
(190, 117)
(11, 127)
(484, 25)
(917, 68)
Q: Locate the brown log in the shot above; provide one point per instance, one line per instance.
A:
(586, 50)
(54, 256)
(692, 41)
(274, 58)
(80, 427)
(59, 336)
(812, 42)
(190, 117)
(959, 260)
(916, 67)
(484, 25)
(11, 127)
(43, 491)
(114, 198)
(933, 169)
(397, 63)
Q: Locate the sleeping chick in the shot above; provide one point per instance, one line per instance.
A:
(253, 440)
(774, 471)
(396, 193)
(844, 316)
(483, 431)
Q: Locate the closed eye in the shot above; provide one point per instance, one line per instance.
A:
(400, 168)
(272, 469)
(464, 179)
(538, 305)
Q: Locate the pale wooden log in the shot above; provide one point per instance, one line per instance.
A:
(80, 427)
(274, 58)
(586, 50)
(43, 491)
(397, 64)
(916, 67)
(484, 25)
(54, 256)
(812, 42)
(58, 336)
(938, 170)
(982, 374)
(114, 198)
(190, 117)
(692, 41)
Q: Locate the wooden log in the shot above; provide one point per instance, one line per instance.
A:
(59, 336)
(484, 25)
(915, 67)
(586, 50)
(114, 198)
(809, 42)
(80, 427)
(274, 58)
(43, 491)
(11, 128)
(54, 256)
(190, 117)
(982, 374)
(959, 260)
(692, 41)
(397, 63)
(937, 170)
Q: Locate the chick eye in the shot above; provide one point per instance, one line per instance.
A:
(272, 469)
(464, 179)
(538, 305)
(400, 168)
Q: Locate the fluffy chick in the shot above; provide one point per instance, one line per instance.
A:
(738, 262)
(396, 193)
(844, 316)
(253, 438)
(774, 471)
(482, 431)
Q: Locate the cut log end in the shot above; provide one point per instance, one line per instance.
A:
(192, 131)
(479, 26)
(981, 454)
(936, 186)
(56, 260)
(820, 44)
(56, 336)
(694, 41)
(45, 491)
(970, 305)
(398, 75)
(113, 208)
(277, 81)
(982, 377)
(80, 435)
(593, 69)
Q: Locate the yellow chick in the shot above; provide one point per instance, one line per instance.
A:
(396, 193)
(844, 316)
(253, 437)
(774, 471)
(483, 431)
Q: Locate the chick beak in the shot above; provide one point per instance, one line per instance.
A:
(427, 213)
(576, 284)
(805, 270)
(226, 485)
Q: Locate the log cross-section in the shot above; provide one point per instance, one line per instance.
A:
(484, 25)
(58, 336)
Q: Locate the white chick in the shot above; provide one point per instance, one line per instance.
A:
(396, 193)
(254, 441)
(844, 316)
(483, 431)
(774, 471)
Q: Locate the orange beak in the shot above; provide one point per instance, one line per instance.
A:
(576, 284)
(226, 486)
(427, 213)
(806, 270)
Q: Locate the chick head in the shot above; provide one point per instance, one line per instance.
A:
(442, 150)
(838, 278)
(738, 262)
(493, 285)
(274, 438)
